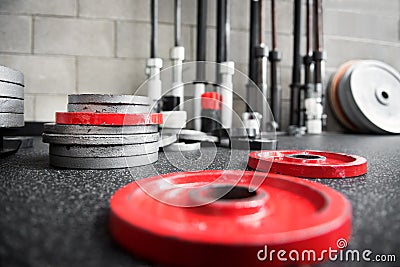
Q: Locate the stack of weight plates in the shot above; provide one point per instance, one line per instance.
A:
(364, 97)
(11, 98)
(104, 132)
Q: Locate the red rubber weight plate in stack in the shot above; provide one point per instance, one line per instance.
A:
(239, 229)
(91, 118)
(308, 163)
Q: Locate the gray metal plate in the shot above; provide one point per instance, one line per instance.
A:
(166, 140)
(108, 108)
(375, 89)
(75, 139)
(345, 101)
(10, 105)
(92, 129)
(9, 120)
(108, 99)
(11, 90)
(11, 75)
(190, 135)
(198, 138)
(103, 151)
(182, 147)
(360, 94)
(102, 163)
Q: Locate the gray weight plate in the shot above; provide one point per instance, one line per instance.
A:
(190, 135)
(93, 129)
(182, 147)
(71, 139)
(103, 151)
(108, 99)
(197, 137)
(11, 90)
(108, 108)
(10, 105)
(102, 163)
(166, 140)
(183, 132)
(9, 120)
(375, 92)
(10, 75)
(345, 101)
(169, 131)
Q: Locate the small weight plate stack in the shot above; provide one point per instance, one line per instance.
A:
(104, 132)
(11, 98)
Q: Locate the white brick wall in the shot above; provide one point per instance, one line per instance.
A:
(71, 36)
(15, 33)
(100, 46)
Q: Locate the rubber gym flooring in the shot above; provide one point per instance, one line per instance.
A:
(54, 217)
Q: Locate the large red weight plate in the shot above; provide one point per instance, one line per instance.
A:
(284, 213)
(308, 163)
(92, 118)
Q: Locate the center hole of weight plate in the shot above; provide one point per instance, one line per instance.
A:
(382, 95)
(227, 198)
(234, 193)
(306, 156)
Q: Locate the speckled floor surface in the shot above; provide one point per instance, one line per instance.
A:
(51, 217)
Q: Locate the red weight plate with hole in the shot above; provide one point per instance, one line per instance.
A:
(308, 163)
(284, 213)
(92, 118)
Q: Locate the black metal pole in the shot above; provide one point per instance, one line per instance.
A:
(221, 32)
(318, 45)
(296, 70)
(177, 21)
(308, 58)
(275, 57)
(273, 25)
(201, 38)
(253, 38)
(253, 41)
(261, 54)
(261, 22)
(221, 18)
(319, 57)
(154, 29)
(227, 25)
(308, 62)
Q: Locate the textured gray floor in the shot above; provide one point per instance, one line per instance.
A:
(51, 217)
